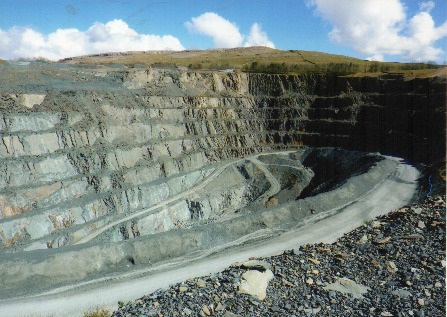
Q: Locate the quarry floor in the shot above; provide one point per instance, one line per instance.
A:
(395, 190)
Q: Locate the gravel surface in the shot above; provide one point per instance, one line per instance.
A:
(392, 266)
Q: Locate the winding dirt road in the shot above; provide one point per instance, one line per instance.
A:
(273, 190)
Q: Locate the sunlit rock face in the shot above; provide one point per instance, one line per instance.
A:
(93, 155)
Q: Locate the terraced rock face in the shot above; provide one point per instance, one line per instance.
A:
(174, 161)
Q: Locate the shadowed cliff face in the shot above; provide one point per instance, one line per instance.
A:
(97, 154)
(388, 114)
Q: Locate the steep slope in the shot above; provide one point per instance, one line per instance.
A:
(91, 155)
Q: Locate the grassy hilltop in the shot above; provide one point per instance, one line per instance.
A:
(260, 60)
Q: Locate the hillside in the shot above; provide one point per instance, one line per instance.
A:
(258, 60)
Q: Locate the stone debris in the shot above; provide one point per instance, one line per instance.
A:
(206, 310)
(417, 210)
(314, 261)
(382, 241)
(364, 239)
(347, 286)
(402, 293)
(376, 224)
(230, 314)
(404, 277)
(255, 283)
(220, 307)
(201, 283)
(413, 236)
(391, 267)
(313, 311)
(30, 100)
(309, 281)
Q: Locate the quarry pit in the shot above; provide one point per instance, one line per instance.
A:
(113, 174)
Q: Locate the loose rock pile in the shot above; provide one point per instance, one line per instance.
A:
(393, 266)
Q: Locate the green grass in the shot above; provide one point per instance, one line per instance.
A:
(98, 312)
(262, 60)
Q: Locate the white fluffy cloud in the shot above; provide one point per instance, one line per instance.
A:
(226, 34)
(381, 27)
(257, 37)
(112, 36)
(426, 6)
(223, 32)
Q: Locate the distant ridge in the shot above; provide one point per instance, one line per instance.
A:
(259, 59)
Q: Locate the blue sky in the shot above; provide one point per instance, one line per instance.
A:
(391, 30)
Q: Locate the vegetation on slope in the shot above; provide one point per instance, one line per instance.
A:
(98, 312)
(259, 60)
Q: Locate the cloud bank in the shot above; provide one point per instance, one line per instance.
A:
(226, 34)
(381, 27)
(113, 36)
(117, 36)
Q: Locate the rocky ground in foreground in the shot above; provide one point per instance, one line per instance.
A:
(392, 266)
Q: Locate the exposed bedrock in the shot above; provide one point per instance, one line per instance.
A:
(148, 158)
